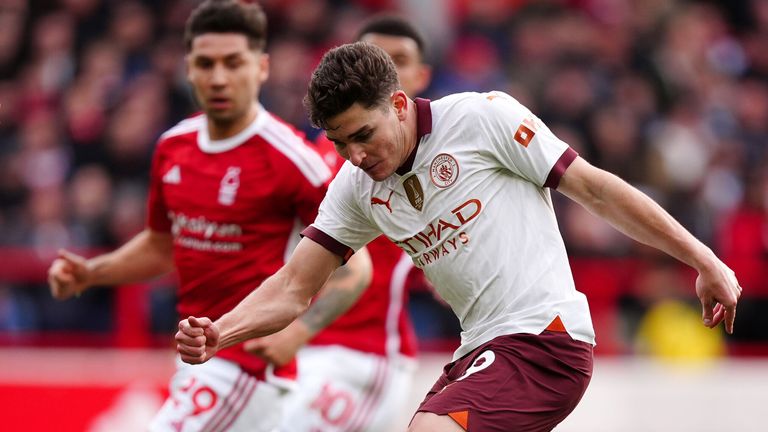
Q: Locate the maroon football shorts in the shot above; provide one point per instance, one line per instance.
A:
(517, 382)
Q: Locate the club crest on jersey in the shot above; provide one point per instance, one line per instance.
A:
(444, 170)
(414, 191)
(229, 185)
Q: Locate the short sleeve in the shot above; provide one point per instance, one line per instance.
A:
(307, 200)
(521, 142)
(299, 171)
(157, 211)
(327, 151)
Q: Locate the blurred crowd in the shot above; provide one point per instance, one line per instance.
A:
(670, 95)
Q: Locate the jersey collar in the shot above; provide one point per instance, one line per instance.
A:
(423, 127)
(208, 145)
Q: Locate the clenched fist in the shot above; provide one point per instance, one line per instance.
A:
(68, 275)
(197, 340)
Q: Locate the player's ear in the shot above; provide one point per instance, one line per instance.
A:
(400, 103)
(188, 65)
(424, 76)
(263, 67)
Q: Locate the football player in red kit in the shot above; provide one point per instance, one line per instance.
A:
(229, 190)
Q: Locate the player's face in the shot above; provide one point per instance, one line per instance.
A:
(226, 75)
(413, 74)
(374, 139)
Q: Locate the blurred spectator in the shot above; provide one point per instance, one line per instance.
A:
(290, 64)
(474, 64)
(132, 29)
(743, 239)
(136, 123)
(127, 214)
(13, 15)
(90, 200)
(751, 110)
(43, 159)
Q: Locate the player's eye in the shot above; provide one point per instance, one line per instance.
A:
(364, 137)
(204, 63)
(234, 63)
(400, 61)
(341, 149)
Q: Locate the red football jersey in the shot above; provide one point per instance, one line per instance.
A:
(378, 322)
(234, 207)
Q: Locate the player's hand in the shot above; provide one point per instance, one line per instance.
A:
(197, 340)
(68, 275)
(719, 292)
(281, 347)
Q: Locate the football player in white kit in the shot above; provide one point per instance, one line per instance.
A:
(462, 185)
(354, 372)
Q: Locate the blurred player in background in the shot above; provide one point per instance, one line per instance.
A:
(354, 374)
(229, 189)
(467, 180)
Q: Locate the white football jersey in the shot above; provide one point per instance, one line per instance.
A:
(472, 208)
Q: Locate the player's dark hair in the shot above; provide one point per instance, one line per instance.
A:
(228, 16)
(393, 25)
(357, 72)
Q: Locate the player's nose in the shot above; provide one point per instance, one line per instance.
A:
(356, 154)
(219, 76)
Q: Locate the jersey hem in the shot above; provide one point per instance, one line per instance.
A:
(465, 349)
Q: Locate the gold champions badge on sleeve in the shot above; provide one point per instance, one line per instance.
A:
(414, 192)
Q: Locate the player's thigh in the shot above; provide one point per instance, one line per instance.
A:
(340, 390)
(429, 422)
(392, 412)
(218, 396)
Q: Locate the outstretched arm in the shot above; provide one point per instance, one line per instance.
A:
(147, 255)
(639, 217)
(341, 291)
(272, 306)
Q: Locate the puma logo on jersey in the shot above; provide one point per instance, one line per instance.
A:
(379, 201)
(173, 176)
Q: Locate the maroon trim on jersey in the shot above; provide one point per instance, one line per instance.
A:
(553, 179)
(328, 242)
(423, 118)
(423, 127)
